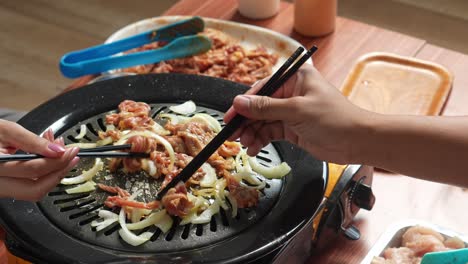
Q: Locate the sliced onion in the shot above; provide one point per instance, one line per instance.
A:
(209, 179)
(160, 139)
(219, 194)
(152, 169)
(188, 218)
(129, 236)
(185, 108)
(275, 172)
(110, 127)
(85, 187)
(158, 129)
(205, 217)
(233, 202)
(83, 131)
(199, 203)
(85, 175)
(109, 218)
(152, 219)
(209, 120)
(138, 213)
(104, 141)
(174, 119)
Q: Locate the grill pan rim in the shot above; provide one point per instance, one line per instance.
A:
(68, 106)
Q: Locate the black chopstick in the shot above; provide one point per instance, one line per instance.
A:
(273, 84)
(107, 148)
(24, 157)
(97, 152)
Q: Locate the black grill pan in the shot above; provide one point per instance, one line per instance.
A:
(37, 234)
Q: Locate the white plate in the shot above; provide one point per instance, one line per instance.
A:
(248, 35)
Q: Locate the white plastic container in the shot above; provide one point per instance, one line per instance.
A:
(393, 235)
(258, 9)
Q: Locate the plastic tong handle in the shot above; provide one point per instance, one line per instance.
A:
(458, 256)
(86, 61)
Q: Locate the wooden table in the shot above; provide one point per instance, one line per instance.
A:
(398, 197)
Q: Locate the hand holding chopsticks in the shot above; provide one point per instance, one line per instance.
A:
(291, 65)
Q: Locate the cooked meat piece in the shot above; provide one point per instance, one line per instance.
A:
(245, 196)
(132, 115)
(114, 189)
(226, 59)
(122, 199)
(131, 165)
(177, 143)
(229, 149)
(142, 144)
(176, 201)
(195, 136)
(117, 201)
(115, 164)
(114, 134)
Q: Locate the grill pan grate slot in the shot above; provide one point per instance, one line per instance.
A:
(89, 220)
(199, 230)
(101, 124)
(75, 204)
(88, 209)
(224, 219)
(173, 230)
(70, 199)
(186, 231)
(111, 229)
(213, 224)
(72, 139)
(156, 235)
(72, 211)
(91, 129)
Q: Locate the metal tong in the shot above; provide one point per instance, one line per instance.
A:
(181, 36)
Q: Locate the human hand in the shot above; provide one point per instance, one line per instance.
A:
(31, 180)
(307, 111)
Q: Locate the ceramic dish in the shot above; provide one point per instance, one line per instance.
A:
(393, 235)
(249, 36)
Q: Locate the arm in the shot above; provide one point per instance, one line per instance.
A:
(427, 147)
(309, 112)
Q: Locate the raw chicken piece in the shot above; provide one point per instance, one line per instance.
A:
(454, 243)
(400, 255)
(423, 240)
(416, 242)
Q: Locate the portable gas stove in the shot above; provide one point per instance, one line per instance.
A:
(295, 216)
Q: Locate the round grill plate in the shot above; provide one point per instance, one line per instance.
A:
(44, 240)
(73, 213)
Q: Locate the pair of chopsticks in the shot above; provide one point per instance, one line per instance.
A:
(98, 152)
(273, 84)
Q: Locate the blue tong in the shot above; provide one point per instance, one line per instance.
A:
(181, 36)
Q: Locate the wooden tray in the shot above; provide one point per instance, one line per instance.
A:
(392, 84)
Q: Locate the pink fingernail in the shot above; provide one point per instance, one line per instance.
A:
(56, 148)
(75, 161)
